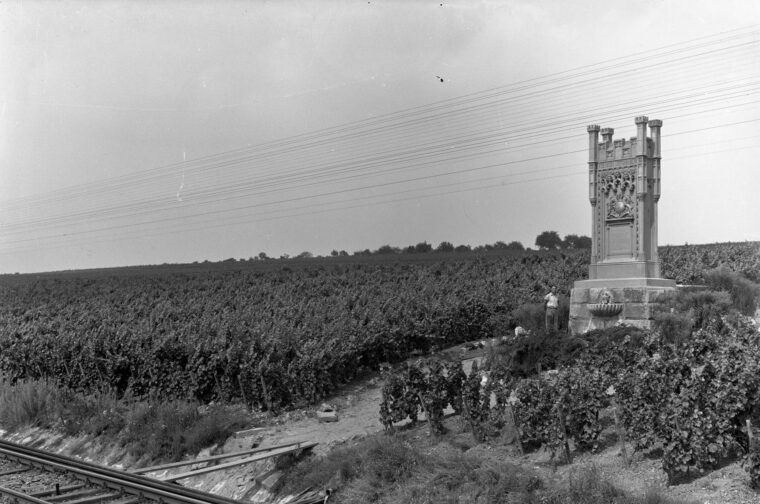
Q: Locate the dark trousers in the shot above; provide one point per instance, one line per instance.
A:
(551, 319)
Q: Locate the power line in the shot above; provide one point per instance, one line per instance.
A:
(460, 129)
(387, 184)
(238, 187)
(463, 100)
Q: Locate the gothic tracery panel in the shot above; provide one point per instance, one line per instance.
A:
(619, 190)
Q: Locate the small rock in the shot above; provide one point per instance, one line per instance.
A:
(270, 481)
(327, 416)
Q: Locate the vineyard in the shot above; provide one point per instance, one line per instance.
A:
(687, 264)
(279, 333)
(695, 402)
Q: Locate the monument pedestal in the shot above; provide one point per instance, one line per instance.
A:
(600, 303)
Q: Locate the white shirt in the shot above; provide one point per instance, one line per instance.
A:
(552, 300)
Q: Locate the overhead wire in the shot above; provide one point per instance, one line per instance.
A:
(303, 198)
(333, 171)
(260, 218)
(240, 187)
(479, 95)
(229, 210)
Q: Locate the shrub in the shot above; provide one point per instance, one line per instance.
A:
(705, 306)
(674, 328)
(427, 385)
(28, 403)
(744, 293)
(611, 350)
(388, 469)
(588, 486)
(156, 429)
(531, 316)
(170, 430)
(340, 466)
(215, 424)
(94, 414)
(383, 463)
(549, 350)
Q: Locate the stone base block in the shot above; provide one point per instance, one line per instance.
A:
(640, 298)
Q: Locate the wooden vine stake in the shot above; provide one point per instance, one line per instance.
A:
(563, 429)
(517, 430)
(431, 427)
(619, 426)
(565, 445)
(474, 427)
(749, 433)
(265, 392)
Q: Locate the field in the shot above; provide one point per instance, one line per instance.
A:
(278, 333)
(274, 335)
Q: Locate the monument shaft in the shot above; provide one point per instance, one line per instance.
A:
(624, 189)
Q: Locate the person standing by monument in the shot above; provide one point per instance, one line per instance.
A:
(551, 302)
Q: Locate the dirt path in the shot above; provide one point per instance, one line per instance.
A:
(358, 408)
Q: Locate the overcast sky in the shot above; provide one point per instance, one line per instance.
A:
(175, 131)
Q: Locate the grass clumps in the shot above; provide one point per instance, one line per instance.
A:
(388, 469)
(154, 430)
(385, 469)
(587, 486)
(28, 403)
(366, 468)
(169, 430)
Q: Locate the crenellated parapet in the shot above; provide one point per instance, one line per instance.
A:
(610, 150)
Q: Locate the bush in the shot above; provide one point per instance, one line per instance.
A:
(28, 403)
(588, 486)
(427, 385)
(549, 350)
(167, 431)
(705, 307)
(530, 316)
(744, 293)
(386, 469)
(674, 328)
(94, 414)
(156, 429)
(363, 472)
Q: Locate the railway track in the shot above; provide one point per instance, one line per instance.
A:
(37, 477)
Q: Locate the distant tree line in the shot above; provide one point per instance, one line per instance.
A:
(425, 247)
(548, 240)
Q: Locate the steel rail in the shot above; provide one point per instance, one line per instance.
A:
(19, 496)
(213, 458)
(114, 479)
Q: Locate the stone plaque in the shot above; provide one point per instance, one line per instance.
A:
(619, 240)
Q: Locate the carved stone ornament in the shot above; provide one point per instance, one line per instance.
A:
(619, 189)
(605, 307)
(605, 297)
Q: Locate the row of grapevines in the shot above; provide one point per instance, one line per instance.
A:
(695, 400)
(270, 338)
(425, 386)
(688, 264)
(273, 338)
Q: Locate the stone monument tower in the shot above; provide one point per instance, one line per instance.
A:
(624, 275)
